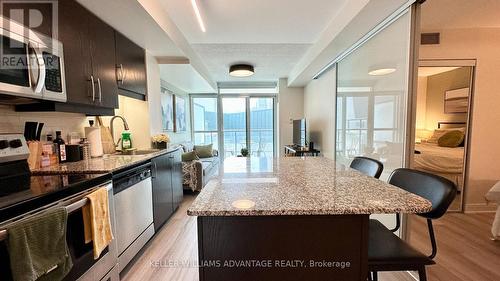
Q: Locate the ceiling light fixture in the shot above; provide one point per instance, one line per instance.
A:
(381, 71)
(241, 70)
(198, 15)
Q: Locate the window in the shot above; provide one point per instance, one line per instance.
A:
(205, 121)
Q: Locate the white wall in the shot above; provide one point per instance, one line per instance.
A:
(136, 112)
(481, 44)
(290, 106)
(154, 85)
(421, 102)
(319, 111)
(13, 122)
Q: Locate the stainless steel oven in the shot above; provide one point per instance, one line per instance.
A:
(84, 268)
(31, 65)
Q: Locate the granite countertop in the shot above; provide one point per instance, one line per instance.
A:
(299, 186)
(105, 164)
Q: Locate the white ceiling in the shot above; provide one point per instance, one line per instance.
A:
(254, 21)
(271, 35)
(425, 71)
(271, 61)
(439, 14)
(184, 77)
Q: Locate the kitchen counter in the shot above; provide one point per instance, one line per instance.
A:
(263, 214)
(299, 186)
(105, 164)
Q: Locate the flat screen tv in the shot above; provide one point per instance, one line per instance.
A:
(299, 132)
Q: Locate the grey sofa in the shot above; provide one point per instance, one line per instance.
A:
(197, 173)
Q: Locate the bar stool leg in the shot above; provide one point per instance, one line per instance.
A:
(421, 274)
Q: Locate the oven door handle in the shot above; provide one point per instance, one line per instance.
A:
(69, 208)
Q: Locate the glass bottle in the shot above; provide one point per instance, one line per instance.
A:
(61, 147)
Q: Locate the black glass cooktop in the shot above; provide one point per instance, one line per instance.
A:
(23, 193)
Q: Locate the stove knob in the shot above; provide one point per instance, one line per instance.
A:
(4, 144)
(15, 143)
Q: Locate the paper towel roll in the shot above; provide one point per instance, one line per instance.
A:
(93, 135)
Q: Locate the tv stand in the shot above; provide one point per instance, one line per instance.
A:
(296, 150)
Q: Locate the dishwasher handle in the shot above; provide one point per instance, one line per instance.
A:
(130, 180)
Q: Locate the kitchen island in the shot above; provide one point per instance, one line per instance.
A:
(291, 219)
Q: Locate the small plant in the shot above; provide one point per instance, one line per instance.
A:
(160, 141)
(244, 152)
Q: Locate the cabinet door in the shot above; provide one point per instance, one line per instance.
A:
(178, 193)
(162, 190)
(131, 66)
(103, 62)
(73, 33)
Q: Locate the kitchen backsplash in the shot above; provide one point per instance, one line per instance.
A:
(13, 122)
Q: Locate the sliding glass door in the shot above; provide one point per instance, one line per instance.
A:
(235, 125)
(372, 98)
(234, 122)
(261, 126)
(248, 123)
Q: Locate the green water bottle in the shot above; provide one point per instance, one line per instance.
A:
(126, 140)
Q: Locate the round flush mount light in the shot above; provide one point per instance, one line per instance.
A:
(381, 71)
(241, 70)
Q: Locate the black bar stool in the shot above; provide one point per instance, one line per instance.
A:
(386, 251)
(368, 166)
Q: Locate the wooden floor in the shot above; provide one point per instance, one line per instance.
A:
(465, 251)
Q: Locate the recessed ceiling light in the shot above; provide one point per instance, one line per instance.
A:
(198, 15)
(241, 70)
(381, 71)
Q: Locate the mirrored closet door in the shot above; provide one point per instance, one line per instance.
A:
(444, 95)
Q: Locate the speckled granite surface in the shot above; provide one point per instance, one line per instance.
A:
(105, 164)
(299, 186)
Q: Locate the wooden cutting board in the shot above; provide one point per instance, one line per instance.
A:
(108, 145)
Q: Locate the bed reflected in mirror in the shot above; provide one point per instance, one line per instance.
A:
(443, 102)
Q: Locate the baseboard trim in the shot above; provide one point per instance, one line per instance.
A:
(480, 208)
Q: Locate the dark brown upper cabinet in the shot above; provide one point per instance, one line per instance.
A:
(89, 56)
(130, 68)
(89, 63)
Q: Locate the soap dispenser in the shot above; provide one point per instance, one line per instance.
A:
(126, 140)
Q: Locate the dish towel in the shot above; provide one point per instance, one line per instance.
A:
(494, 196)
(37, 247)
(96, 221)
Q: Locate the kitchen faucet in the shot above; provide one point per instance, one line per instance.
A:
(125, 126)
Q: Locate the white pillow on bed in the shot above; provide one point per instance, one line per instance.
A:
(440, 132)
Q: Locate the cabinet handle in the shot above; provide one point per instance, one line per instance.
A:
(100, 89)
(121, 78)
(93, 89)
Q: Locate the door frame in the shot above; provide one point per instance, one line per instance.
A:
(459, 63)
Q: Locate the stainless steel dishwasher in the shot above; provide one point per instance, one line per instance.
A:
(132, 190)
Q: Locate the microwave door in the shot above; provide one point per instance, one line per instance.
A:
(37, 69)
(15, 76)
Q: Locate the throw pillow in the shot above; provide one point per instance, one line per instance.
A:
(451, 139)
(204, 151)
(189, 156)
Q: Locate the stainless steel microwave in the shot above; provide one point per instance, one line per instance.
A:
(31, 65)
